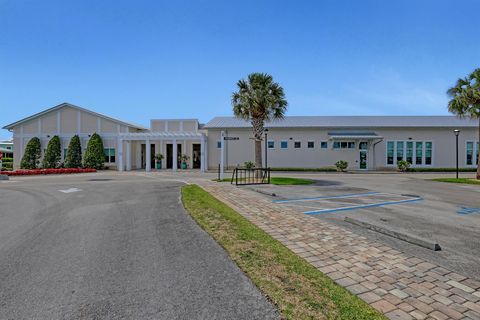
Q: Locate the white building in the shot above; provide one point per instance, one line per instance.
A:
(366, 142)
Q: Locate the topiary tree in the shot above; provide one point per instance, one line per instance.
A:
(53, 155)
(33, 152)
(94, 154)
(74, 153)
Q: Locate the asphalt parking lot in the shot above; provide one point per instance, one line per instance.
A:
(109, 246)
(447, 214)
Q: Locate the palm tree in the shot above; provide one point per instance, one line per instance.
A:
(259, 100)
(465, 101)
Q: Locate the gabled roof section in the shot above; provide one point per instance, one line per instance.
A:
(66, 104)
(348, 122)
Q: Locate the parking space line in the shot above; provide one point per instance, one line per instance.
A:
(351, 195)
(380, 204)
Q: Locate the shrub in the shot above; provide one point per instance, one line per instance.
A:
(7, 159)
(249, 165)
(53, 155)
(403, 165)
(341, 165)
(33, 152)
(48, 171)
(94, 154)
(74, 153)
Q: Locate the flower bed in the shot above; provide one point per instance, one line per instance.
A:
(47, 171)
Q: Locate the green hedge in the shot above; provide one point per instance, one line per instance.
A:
(7, 159)
(442, 169)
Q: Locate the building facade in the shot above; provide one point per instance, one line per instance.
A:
(365, 142)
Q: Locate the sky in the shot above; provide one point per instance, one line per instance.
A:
(140, 60)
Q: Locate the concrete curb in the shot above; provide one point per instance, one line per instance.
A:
(401, 236)
(4, 177)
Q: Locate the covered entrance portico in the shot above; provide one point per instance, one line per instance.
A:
(141, 147)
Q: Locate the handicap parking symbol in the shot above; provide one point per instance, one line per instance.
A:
(465, 210)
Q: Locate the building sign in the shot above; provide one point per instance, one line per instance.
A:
(231, 138)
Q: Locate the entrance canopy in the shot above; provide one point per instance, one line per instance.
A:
(149, 137)
(354, 135)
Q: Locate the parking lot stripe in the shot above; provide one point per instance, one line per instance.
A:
(362, 206)
(351, 195)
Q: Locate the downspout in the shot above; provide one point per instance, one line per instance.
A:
(374, 158)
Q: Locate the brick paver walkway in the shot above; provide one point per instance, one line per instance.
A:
(400, 286)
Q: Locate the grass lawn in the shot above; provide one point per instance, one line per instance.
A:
(280, 181)
(459, 180)
(297, 288)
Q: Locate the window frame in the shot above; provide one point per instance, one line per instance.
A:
(284, 142)
(310, 142)
(414, 150)
(475, 151)
(299, 145)
(109, 156)
(322, 144)
(273, 144)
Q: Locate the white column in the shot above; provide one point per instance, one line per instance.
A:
(202, 154)
(129, 156)
(120, 154)
(174, 164)
(164, 164)
(147, 156)
(222, 148)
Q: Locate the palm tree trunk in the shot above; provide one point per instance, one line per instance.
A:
(257, 125)
(478, 163)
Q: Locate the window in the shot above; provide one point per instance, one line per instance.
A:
(428, 153)
(324, 144)
(418, 152)
(310, 144)
(344, 145)
(65, 153)
(219, 144)
(283, 144)
(399, 151)
(472, 156)
(271, 144)
(9, 148)
(390, 152)
(414, 152)
(297, 144)
(409, 152)
(109, 155)
(363, 145)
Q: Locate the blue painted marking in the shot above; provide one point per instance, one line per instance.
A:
(465, 210)
(362, 206)
(351, 195)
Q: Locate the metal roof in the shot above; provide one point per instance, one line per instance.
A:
(348, 122)
(66, 104)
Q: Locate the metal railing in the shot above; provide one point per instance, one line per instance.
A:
(242, 176)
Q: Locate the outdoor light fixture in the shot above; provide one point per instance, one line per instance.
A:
(456, 132)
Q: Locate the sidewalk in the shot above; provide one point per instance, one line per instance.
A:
(400, 286)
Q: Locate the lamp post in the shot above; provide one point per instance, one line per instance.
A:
(266, 148)
(456, 132)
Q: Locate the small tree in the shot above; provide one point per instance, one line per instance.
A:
(249, 165)
(33, 152)
(341, 165)
(94, 154)
(53, 155)
(74, 153)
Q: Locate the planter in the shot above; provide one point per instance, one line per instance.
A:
(158, 165)
(184, 165)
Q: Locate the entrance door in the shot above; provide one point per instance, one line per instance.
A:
(144, 161)
(363, 159)
(170, 155)
(144, 156)
(196, 156)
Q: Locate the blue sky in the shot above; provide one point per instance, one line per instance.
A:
(137, 60)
